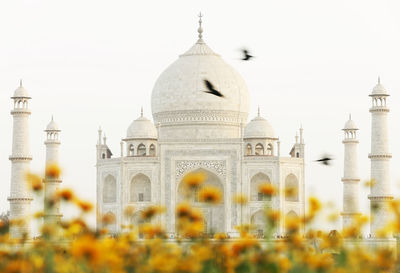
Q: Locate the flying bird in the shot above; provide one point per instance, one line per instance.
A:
(326, 160)
(212, 90)
(246, 55)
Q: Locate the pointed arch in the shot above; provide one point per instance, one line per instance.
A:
(141, 150)
(111, 224)
(259, 149)
(291, 188)
(140, 188)
(214, 216)
(270, 149)
(248, 149)
(255, 183)
(131, 150)
(258, 221)
(152, 150)
(110, 189)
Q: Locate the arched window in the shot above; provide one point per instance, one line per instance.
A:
(248, 149)
(140, 190)
(111, 224)
(259, 149)
(103, 156)
(291, 188)
(131, 150)
(258, 221)
(255, 182)
(291, 216)
(141, 150)
(270, 149)
(152, 151)
(110, 189)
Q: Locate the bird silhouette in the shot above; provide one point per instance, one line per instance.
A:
(246, 55)
(326, 160)
(212, 90)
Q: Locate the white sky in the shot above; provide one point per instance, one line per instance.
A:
(94, 63)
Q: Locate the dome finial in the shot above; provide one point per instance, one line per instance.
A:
(350, 116)
(141, 111)
(200, 29)
(20, 82)
(379, 79)
(258, 111)
(52, 118)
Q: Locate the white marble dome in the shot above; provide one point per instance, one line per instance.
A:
(259, 127)
(379, 89)
(180, 88)
(21, 92)
(350, 125)
(52, 126)
(141, 128)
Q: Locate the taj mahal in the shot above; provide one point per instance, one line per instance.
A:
(192, 130)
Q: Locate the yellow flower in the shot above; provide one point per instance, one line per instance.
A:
(151, 211)
(129, 210)
(85, 206)
(210, 194)
(108, 218)
(35, 181)
(220, 236)
(284, 264)
(315, 205)
(86, 247)
(183, 210)
(267, 188)
(240, 199)
(65, 194)
(53, 171)
(194, 180)
(151, 231)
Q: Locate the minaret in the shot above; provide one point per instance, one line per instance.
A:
(380, 160)
(350, 175)
(51, 183)
(20, 197)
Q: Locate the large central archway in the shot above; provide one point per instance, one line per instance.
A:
(214, 215)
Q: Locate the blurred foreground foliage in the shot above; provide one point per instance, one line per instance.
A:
(71, 246)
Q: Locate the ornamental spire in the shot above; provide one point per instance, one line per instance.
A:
(20, 82)
(379, 79)
(141, 111)
(258, 111)
(200, 29)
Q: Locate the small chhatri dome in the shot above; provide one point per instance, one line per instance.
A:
(379, 89)
(259, 127)
(21, 92)
(52, 126)
(141, 128)
(350, 125)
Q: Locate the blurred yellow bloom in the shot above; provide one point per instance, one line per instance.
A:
(267, 188)
(35, 181)
(194, 180)
(151, 231)
(65, 194)
(38, 214)
(53, 171)
(240, 199)
(108, 218)
(210, 194)
(85, 206)
(369, 183)
(151, 211)
(183, 210)
(87, 248)
(129, 210)
(315, 205)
